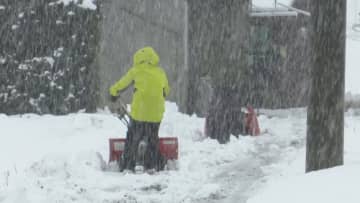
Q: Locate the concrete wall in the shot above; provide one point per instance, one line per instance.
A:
(129, 25)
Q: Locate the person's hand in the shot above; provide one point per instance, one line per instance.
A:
(113, 98)
(113, 94)
(113, 91)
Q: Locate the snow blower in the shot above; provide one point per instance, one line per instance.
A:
(246, 121)
(168, 146)
(251, 122)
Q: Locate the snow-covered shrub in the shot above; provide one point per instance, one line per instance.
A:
(47, 55)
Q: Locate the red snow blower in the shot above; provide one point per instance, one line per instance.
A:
(251, 122)
(248, 122)
(168, 146)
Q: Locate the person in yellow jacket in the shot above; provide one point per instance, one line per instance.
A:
(147, 108)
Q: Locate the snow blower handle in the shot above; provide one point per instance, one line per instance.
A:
(121, 112)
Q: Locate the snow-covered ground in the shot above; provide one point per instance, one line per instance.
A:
(54, 159)
(339, 184)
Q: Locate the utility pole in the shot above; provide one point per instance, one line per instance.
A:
(325, 120)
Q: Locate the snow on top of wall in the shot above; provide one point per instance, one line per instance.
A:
(87, 4)
(270, 3)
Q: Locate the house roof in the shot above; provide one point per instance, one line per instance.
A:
(270, 8)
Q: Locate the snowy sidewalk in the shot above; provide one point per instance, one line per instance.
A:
(54, 159)
(243, 177)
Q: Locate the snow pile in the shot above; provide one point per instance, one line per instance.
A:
(270, 3)
(335, 185)
(87, 4)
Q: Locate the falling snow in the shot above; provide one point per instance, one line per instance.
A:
(58, 59)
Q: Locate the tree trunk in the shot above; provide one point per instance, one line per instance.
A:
(217, 34)
(325, 120)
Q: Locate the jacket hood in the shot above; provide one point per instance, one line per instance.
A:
(146, 55)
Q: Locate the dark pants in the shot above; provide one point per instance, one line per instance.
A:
(142, 131)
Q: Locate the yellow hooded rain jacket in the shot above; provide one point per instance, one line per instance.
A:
(150, 83)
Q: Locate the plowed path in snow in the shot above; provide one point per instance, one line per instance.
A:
(54, 159)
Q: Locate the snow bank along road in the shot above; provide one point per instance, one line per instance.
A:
(54, 159)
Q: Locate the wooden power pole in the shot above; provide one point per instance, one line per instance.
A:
(325, 120)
